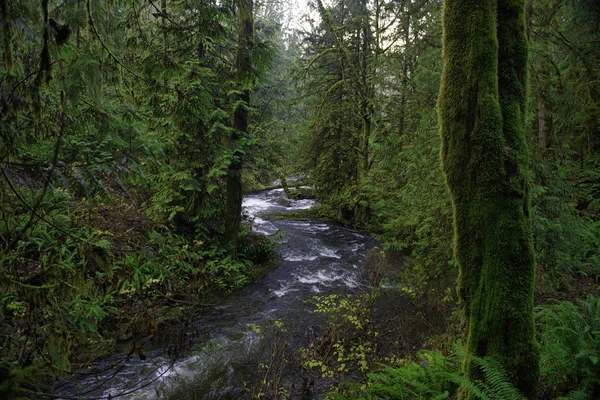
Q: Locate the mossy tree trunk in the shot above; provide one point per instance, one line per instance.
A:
(7, 36)
(366, 72)
(484, 156)
(233, 206)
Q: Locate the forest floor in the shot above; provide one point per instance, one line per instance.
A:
(571, 289)
(166, 307)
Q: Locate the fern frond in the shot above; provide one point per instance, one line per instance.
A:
(475, 388)
(497, 383)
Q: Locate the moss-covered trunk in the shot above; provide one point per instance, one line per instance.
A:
(484, 156)
(233, 206)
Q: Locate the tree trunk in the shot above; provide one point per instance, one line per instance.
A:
(543, 117)
(7, 35)
(484, 157)
(405, 71)
(233, 208)
(516, 342)
(365, 143)
(543, 125)
(163, 10)
(367, 102)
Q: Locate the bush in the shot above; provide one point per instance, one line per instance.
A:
(570, 339)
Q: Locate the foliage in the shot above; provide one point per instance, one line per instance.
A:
(563, 120)
(330, 138)
(274, 366)
(52, 306)
(403, 189)
(565, 240)
(570, 337)
(406, 198)
(67, 283)
(569, 360)
(115, 130)
(348, 343)
(569, 364)
(432, 375)
(115, 140)
(422, 379)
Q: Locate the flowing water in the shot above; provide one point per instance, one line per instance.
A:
(316, 258)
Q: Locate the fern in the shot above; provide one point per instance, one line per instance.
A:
(570, 337)
(469, 386)
(497, 385)
(430, 378)
(434, 377)
(576, 395)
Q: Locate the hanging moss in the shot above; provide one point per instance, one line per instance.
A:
(7, 36)
(45, 64)
(482, 107)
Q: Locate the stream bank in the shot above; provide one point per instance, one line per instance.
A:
(216, 353)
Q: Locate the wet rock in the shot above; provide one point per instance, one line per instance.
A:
(282, 201)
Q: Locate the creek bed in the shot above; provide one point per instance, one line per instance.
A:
(316, 258)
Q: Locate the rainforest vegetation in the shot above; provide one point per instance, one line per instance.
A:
(463, 135)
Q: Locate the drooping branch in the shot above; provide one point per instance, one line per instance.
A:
(7, 35)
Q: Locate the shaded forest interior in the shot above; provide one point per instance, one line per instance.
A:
(130, 131)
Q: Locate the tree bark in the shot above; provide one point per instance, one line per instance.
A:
(163, 10)
(233, 207)
(405, 26)
(543, 112)
(484, 157)
(367, 79)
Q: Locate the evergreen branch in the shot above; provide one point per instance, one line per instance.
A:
(111, 55)
(112, 376)
(166, 17)
(104, 113)
(58, 164)
(25, 79)
(342, 50)
(34, 212)
(264, 109)
(575, 50)
(318, 56)
(329, 91)
(48, 179)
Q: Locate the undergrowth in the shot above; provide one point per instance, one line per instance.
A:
(77, 276)
(363, 353)
(570, 361)
(570, 338)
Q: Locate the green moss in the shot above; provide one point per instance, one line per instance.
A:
(482, 107)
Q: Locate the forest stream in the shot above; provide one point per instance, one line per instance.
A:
(315, 258)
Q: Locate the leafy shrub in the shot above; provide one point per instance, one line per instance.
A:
(570, 338)
(566, 241)
(255, 247)
(347, 346)
(426, 378)
(432, 376)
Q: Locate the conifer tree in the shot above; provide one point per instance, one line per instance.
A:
(233, 210)
(484, 156)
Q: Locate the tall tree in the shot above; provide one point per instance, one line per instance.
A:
(484, 156)
(343, 52)
(405, 185)
(331, 131)
(233, 211)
